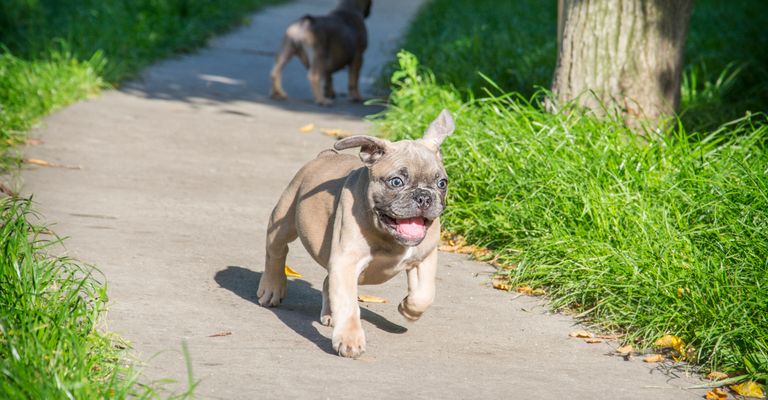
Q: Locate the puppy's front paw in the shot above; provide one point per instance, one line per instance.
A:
(349, 342)
(271, 291)
(408, 311)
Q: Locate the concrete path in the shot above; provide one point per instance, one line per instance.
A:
(179, 171)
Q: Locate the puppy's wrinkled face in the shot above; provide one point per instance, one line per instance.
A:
(406, 180)
(407, 189)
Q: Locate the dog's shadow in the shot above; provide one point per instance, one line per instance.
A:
(301, 307)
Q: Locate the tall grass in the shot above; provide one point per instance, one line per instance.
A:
(50, 308)
(668, 235)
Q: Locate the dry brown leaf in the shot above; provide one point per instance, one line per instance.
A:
(716, 394)
(43, 163)
(6, 190)
(610, 337)
(593, 340)
(307, 128)
(654, 358)
(538, 292)
(581, 334)
(716, 375)
(628, 349)
(367, 298)
(337, 133)
(33, 142)
(222, 333)
(292, 273)
(524, 289)
(500, 282)
(749, 389)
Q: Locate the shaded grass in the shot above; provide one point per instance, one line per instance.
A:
(55, 52)
(513, 43)
(647, 238)
(50, 344)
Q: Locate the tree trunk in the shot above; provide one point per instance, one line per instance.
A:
(621, 56)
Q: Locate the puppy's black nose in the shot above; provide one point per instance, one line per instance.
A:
(422, 198)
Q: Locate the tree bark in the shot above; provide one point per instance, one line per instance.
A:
(621, 56)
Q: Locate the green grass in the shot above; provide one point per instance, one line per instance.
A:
(55, 52)
(50, 344)
(513, 43)
(644, 238)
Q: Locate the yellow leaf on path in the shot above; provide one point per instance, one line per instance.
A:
(716, 394)
(654, 358)
(674, 342)
(716, 375)
(524, 289)
(625, 349)
(500, 282)
(35, 161)
(538, 292)
(307, 128)
(337, 133)
(593, 340)
(581, 334)
(749, 389)
(292, 273)
(367, 298)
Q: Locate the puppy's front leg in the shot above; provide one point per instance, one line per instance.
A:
(348, 336)
(354, 77)
(421, 288)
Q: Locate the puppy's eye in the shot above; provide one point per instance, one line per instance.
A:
(395, 182)
(442, 183)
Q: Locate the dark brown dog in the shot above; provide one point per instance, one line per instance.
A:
(326, 44)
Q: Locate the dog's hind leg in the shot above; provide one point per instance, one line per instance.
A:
(354, 77)
(281, 231)
(287, 50)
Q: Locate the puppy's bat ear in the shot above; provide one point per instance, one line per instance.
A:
(371, 148)
(439, 129)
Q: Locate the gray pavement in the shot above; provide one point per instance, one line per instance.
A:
(179, 171)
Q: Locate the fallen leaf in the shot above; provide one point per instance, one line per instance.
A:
(654, 358)
(593, 340)
(33, 142)
(538, 292)
(43, 163)
(6, 190)
(749, 389)
(524, 289)
(716, 394)
(673, 342)
(500, 282)
(625, 349)
(610, 337)
(307, 128)
(367, 298)
(581, 334)
(337, 133)
(716, 375)
(290, 272)
(222, 333)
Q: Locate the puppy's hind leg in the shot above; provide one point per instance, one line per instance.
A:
(281, 231)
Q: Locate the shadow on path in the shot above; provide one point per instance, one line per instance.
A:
(299, 309)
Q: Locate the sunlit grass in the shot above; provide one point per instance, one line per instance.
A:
(663, 235)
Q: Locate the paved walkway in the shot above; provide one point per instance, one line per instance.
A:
(180, 170)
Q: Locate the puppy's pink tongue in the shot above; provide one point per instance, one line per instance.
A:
(412, 228)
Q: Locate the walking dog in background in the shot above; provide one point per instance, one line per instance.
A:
(326, 44)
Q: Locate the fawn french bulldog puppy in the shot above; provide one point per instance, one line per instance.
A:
(365, 219)
(326, 44)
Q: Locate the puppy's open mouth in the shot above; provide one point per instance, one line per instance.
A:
(410, 230)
